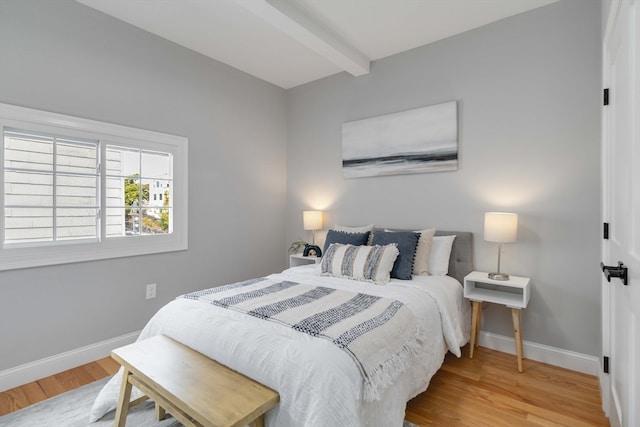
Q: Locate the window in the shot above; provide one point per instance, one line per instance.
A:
(78, 190)
(51, 187)
(131, 180)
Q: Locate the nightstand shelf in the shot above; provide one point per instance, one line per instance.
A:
(513, 293)
(297, 260)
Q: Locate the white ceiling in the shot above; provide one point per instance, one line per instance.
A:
(292, 42)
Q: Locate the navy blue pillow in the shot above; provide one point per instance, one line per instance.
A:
(356, 239)
(406, 242)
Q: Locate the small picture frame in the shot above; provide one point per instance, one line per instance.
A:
(312, 250)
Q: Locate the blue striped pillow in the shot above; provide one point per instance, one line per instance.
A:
(366, 263)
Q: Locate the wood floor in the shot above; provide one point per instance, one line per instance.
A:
(489, 391)
(28, 394)
(484, 391)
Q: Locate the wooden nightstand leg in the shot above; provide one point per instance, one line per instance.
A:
(475, 326)
(479, 321)
(516, 314)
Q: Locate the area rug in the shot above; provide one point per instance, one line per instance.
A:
(71, 409)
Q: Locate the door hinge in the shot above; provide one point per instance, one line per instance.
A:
(605, 366)
(606, 96)
(605, 231)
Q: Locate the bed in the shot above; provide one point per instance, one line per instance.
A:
(322, 383)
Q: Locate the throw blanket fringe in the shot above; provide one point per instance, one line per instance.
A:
(380, 334)
(384, 375)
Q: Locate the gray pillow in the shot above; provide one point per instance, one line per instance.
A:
(355, 239)
(406, 242)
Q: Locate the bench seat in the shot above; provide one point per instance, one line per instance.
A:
(196, 390)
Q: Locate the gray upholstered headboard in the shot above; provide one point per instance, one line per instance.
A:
(461, 260)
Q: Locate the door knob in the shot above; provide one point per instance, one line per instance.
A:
(619, 272)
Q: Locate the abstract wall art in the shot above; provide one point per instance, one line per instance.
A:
(414, 141)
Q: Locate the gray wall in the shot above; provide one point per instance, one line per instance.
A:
(528, 92)
(60, 56)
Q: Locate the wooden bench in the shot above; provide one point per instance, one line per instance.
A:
(196, 390)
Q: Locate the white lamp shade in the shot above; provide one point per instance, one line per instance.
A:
(500, 227)
(312, 220)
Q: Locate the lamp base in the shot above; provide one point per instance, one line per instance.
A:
(498, 276)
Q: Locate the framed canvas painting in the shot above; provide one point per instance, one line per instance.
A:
(414, 141)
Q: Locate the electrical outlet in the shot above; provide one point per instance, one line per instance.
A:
(151, 291)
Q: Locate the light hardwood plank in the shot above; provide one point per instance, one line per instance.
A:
(52, 386)
(21, 397)
(95, 370)
(109, 365)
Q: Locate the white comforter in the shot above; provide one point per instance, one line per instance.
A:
(319, 384)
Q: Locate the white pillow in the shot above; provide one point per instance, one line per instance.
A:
(366, 263)
(347, 229)
(439, 256)
(423, 252)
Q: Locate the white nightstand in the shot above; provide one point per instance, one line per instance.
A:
(513, 293)
(296, 260)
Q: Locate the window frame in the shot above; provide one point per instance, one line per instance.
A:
(15, 257)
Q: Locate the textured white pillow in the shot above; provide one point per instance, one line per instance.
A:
(366, 263)
(423, 252)
(347, 229)
(439, 256)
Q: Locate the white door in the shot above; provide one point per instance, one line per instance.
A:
(621, 209)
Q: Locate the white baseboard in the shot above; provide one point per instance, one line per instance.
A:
(543, 353)
(23, 374)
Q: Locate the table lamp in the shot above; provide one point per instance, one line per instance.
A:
(312, 220)
(500, 227)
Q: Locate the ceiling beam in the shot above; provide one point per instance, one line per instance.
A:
(309, 32)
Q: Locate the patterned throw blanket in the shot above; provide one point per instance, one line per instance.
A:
(380, 334)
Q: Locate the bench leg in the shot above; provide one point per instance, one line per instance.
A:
(160, 412)
(123, 400)
(258, 422)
